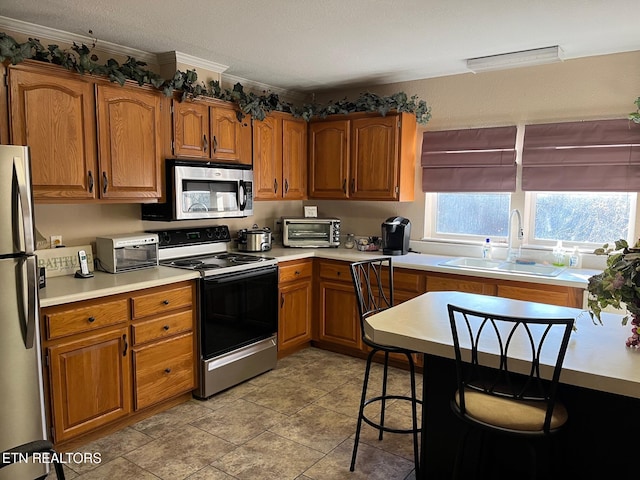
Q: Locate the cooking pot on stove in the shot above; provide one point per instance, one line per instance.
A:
(254, 239)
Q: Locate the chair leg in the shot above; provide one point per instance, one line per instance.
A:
(384, 394)
(363, 399)
(414, 414)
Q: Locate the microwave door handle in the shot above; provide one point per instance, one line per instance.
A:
(242, 197)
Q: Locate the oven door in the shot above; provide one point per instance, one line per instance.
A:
(212, 192)
(238, 309)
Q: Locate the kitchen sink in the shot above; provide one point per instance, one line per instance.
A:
(503, 266)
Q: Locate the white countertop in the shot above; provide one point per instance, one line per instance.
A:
(596, 358)
(67, 288)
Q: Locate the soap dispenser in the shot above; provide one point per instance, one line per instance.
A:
(486, 249)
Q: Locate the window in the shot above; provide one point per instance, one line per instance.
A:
(472, 214)
(587, 218)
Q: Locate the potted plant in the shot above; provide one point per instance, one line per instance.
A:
(618, 286)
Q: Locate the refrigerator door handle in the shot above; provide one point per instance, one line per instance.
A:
(24, 182)
(31, 309)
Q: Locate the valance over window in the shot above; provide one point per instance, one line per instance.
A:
(590, 156)
(472, 160)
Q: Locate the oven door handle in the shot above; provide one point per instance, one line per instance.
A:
(232, 277)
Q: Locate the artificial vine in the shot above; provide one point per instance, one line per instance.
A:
(79, 58)
(635, 116)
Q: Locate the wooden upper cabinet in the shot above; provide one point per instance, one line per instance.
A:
(280, 158)
(129, 140)
(366, 157)
(54, 114)
(294, 158)
(191, 129)
(329, 159)
(267, 159)
(374, 158)
(205, 131)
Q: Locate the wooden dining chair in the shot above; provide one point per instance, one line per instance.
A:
(507, 371)
(373, 296)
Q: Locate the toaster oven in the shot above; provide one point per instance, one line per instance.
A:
(310, 232)
(122, 253)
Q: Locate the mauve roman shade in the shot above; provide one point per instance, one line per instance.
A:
(590, 156)
(471, 160)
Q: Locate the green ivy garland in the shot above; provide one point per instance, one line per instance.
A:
(80, 59)
(635, 116)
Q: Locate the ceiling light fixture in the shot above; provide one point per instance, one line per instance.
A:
(524, 58)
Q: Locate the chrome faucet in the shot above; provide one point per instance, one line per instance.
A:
(511, 256)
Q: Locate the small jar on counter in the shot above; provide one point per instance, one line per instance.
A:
(350, 242)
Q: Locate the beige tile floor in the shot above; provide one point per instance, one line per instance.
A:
(295, 422)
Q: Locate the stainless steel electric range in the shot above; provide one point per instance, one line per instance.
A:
(238, 309)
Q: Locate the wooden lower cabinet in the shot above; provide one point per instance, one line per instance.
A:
(295, 288)
(90, 382)
(106, 360)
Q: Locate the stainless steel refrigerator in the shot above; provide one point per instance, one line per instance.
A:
(22, 417)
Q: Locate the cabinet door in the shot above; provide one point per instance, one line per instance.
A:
(374, 158)
(55, 116)
(190, 130)
(294, 159)
(267, 159)
(553, 295)
(339, 319)
(130, 142)
(294, 325)
(329, 159)
(230, 138)
(90, 382)
(460, 284)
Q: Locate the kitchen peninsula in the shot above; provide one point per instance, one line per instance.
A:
(600, 381)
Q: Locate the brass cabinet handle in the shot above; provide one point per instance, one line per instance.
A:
(167, 370)
(215, 144)
(90, 182)
(286, 186)
(165, 302)
(166, 327)
(204, 142)
(91, 319)
(105, 182)
(275, 185)
(126, 345)
(344, 186)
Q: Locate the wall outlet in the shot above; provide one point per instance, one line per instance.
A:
(56, 241)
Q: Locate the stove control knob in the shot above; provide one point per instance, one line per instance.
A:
(217, 233)
(208, 233)
(165, 238)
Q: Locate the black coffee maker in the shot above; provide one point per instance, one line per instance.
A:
(395, 236)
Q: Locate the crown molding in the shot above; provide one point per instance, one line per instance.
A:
(264, 87)
(55, 35)
(166, 58)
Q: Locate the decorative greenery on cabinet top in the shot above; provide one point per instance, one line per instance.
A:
(80, 59)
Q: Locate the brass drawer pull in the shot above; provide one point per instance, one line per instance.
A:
(166, 302)
(166, 327)
(167, 370)
(91, 319)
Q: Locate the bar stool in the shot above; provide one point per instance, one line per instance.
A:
(505, 395)
(372, 296)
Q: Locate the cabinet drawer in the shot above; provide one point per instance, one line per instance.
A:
(405, 280)
(295, 271)
(84, 318)
(336, 271)
(160, 302)
(166, 326)
(163, 370)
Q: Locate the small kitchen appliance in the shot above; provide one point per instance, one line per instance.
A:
(310, 232)
(254, 239)
(238, 305)
(125, 252)
(396, 232)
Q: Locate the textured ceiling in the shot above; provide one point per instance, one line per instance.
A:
(315, 45)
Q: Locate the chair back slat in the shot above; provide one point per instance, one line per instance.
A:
(369, 283)
(508, 354)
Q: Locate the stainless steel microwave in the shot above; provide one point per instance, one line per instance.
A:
(201, 190)
(310, 232)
